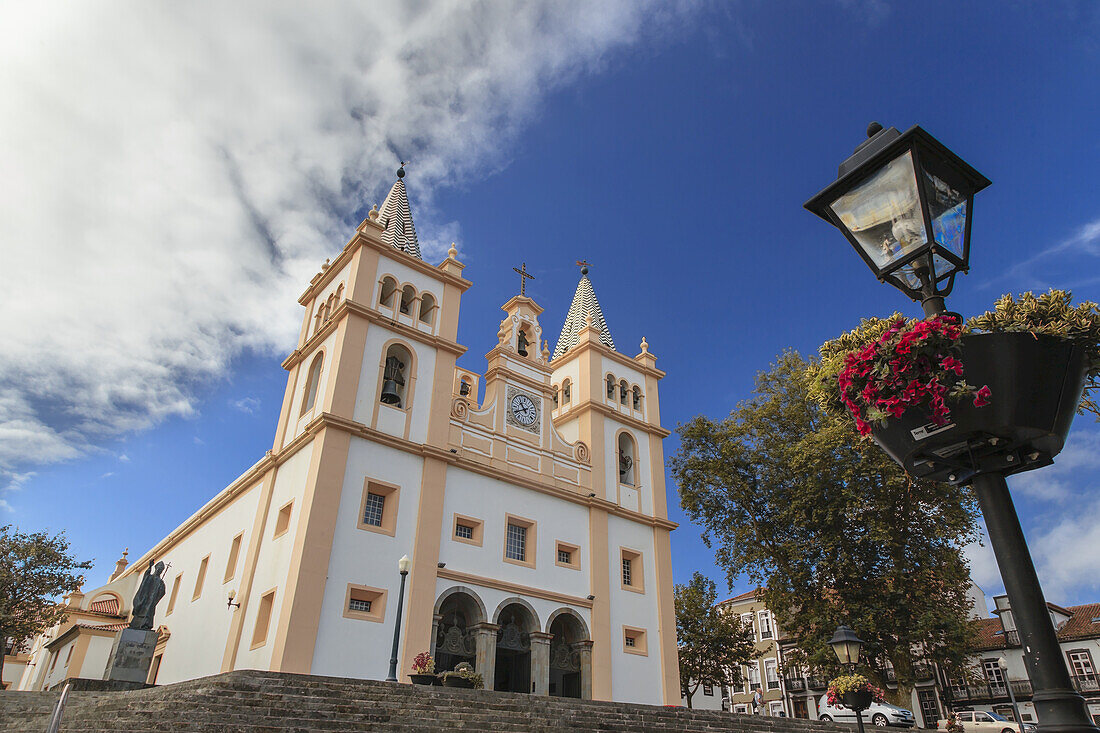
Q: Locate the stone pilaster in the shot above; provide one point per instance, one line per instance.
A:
(540, 661)
(584, 651)
(485, 661)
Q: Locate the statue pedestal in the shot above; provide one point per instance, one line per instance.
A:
(131, 656)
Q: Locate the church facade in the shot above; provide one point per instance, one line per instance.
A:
(530, 500)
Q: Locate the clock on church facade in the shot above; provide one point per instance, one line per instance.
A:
(530, 498)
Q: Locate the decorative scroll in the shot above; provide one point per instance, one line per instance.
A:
(459, 408)
(581, 452)
(514, 638)
(456, 641)
(563, 658)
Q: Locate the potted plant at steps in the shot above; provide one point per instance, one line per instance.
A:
(853, 691)
(463, 676)
(914, 384)
(423, 670)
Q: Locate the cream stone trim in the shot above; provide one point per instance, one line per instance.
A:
(530, 545)
(392, 497)
(476, 525)
(425, 559)
(666, 615)
(598, 562)
(377, 600)
(200, 578)
(637, 570)
(263, 614)
(77, 653)
(317, 359)
(514, 588)
(574, 555)
(640, 647)
(615, 415)
(175, 593)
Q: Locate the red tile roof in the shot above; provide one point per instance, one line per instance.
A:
(989, 632)
(101, 627)
(108, 606)
(743, 597)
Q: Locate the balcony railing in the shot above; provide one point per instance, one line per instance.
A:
(990, 692)
(1086, 683)
(816, 683)
(796, 684)
(1012, 638)
(773, 684)
(921, 672)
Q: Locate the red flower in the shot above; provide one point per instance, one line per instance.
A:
(981, 397)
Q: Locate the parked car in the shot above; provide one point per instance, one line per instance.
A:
(881, 714)
(980, 721)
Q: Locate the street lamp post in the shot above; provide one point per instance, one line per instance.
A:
(1003, 664)
(904, 202)
(403, 568)
(846, 645)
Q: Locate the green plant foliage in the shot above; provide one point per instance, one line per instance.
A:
(712, 645)
(830, 528)
(1052, 314)
(35, 568)
(466, 672)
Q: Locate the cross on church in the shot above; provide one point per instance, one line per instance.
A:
(523, 277)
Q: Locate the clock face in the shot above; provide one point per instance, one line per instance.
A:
(523, 410)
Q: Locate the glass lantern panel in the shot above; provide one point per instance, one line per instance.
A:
(908, 274)
(883, 213)
(947, 207)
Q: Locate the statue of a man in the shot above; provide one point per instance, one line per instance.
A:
(149, 594)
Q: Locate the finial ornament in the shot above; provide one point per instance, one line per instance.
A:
(523, 278)
(452, 253)
(584, 265)
(401, 170)
(545, 350)
(645, 346)
(325, 266)
(873, 129)
(373, 213)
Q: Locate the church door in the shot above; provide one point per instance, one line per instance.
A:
(513, 663)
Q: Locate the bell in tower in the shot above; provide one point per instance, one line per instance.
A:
(522, 343)
(394, 379)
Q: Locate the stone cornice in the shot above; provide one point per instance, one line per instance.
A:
(605, 410)
(610, 354)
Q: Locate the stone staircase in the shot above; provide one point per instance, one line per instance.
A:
(248, 701)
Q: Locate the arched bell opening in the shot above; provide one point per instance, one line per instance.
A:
(570, 656)
(456, 634)
(396, 376)
(513, 649)
(627, 459)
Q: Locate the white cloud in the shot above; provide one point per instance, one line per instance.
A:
(246, 405)
(175, 172)
(124, 458)
(1066, 554)
(1030, 272)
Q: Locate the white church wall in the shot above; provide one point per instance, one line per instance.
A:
(97, 656)
(200, 626)
(59, 669)
(490, 500)
(634, 678)
(298, 418)
(407, 275)
(569, 370)
(272, 563)
(356, 647)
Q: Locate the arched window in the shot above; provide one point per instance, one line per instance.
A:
(637, 398)
(318, 318)
(427, 305)
(610, 387)
(389, 286)
(339, 292)
(556, 391)
(408, 295)
(627, 458)
(565, 390)
(464, 387)
(395, 379)
(622, 392)
(329, 304)
(314, 377)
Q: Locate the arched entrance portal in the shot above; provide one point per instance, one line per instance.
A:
(513, 652)
(570, 664)
(455, 635)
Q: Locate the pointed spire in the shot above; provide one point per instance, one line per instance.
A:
(396, 217)
(585, 311)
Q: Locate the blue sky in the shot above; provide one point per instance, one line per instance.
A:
(180, 209)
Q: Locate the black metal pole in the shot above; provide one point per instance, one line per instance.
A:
(859, 719)
(1057, 704)
(397, 629)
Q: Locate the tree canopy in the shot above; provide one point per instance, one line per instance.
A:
(712, 645)
(35, 569)
(830, 528)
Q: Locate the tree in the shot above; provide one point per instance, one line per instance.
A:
(830, 528)
(712, 644)
(35, 569)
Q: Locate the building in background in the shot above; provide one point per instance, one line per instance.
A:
(530, 499)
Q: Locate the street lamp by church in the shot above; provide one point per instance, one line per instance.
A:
(403, 568)
(846, 645)
(903, 201)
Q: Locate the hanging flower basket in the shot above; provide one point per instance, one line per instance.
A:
(1034, 384)
(853, 691)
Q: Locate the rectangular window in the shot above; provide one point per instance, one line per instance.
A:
(746, 620)
(282, 521)
(568, 556)
(467, 529)
(231, 563)
(263, 618)
(1080, 663)
(172, 597)
(765, 625)
(631, 576)
(708, 690)
(365, 603)
(771, 674)
(200, 578)
(741, 709)
(516, 548)
(634, 641)
(154, 669)
(519, 541)
(372, 512)
(378, 510)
